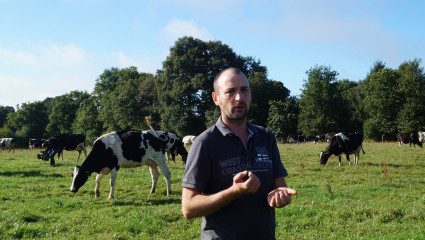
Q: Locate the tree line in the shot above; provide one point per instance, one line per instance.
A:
(178, 98)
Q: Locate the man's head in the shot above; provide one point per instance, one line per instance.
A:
(232, 94)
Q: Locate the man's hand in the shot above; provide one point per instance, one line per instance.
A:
(248, 186)
(280, 197)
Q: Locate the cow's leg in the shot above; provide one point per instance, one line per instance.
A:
(339, 158)
(399, 144)
(167, 175)
(113, 181)
(79, 153)
(96, 188)
(155, 176)
(348, 159)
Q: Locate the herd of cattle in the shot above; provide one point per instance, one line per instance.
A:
(129, 149)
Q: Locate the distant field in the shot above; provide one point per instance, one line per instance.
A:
(381, 198)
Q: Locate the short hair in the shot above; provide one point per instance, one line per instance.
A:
(231, 69)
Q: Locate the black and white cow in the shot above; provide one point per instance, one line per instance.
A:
(319, 138)
(408, 138)
(291, 138)
(71, 142)
(8, 143)
(127, 149)
(35, 143)
(348, 143)
(172, 151)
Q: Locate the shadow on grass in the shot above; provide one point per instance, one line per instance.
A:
(388, 165)
(153, 201)
(28, 174)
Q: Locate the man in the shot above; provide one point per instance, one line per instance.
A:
(234, 177)
(53, 146)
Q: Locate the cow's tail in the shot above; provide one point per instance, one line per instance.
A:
(363, 150)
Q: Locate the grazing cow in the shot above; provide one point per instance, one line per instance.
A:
(126, 149)
(8, 143)
(188, 140)
(35, 143)
(319, 138)
(421, 136)
(408, 138)
(70, 142)
(349, 143)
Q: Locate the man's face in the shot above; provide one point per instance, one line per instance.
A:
(233, 96)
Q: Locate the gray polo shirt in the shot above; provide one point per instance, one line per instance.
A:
(215, 157)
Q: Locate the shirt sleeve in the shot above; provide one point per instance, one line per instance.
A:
(198, 167)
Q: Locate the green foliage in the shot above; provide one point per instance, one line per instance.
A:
(411, 88)
(320, 103)
(87, 120)
(382, 102)
(264, 90)
(4, 111)
(283, 118)
(29, 121)
(64, 112)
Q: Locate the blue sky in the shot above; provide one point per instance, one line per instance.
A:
(49, 48)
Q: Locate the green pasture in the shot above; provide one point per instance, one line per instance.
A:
(381, 198)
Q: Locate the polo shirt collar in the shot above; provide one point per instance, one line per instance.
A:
(226, 131)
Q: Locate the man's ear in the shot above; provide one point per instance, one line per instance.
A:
(215, 98)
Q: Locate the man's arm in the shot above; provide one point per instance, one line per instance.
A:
(196, 204)
(281, 195)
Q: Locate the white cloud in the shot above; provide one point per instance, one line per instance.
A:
(177, 28)
(39, 70)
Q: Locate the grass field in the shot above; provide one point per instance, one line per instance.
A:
(381, 198)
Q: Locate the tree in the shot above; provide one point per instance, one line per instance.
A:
(411, 89)
(64, 112)
(263, 91)
(4, 111)
(29, 121)
(283, 117)
(87, 120)
(185, 84)
(352, 96)
(382, 104)
(320, 103)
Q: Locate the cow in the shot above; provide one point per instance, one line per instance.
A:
(319, 138)
(348, 143)
(172, 152)
(126, 149)
(188, 140)
(300, 139)
(70, 142)
(421, 136)
(35, 143)
(291, 138)
(8, 143)
(408, 138)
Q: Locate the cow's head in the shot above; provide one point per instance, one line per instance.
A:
(79, 177)
(324, 158)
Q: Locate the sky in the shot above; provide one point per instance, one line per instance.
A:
(52, 47)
